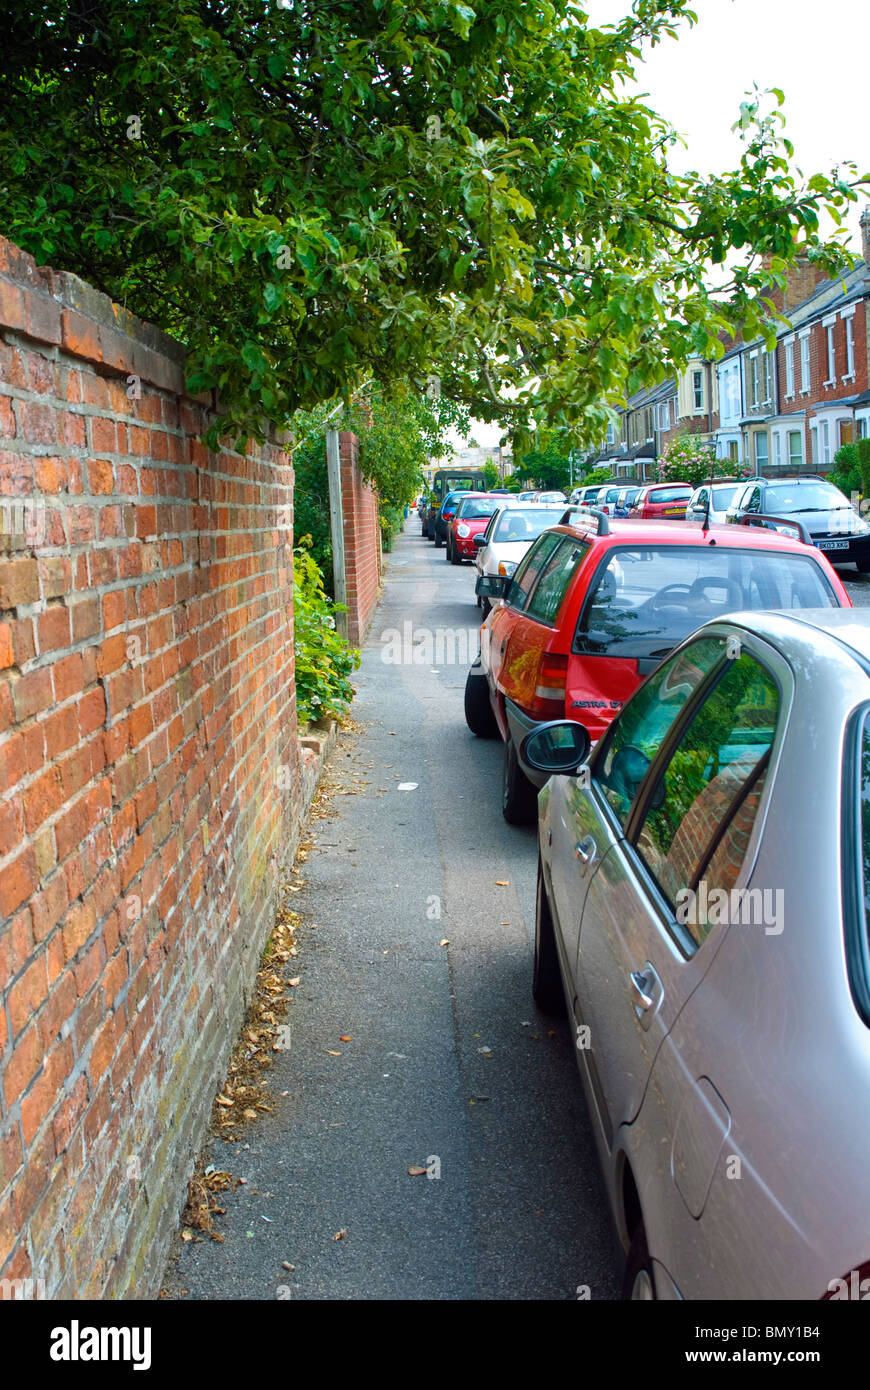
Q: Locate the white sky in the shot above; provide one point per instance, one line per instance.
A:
(815, 52)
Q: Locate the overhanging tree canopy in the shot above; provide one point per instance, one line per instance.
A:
(316, 193)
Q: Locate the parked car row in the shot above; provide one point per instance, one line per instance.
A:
(694, 701)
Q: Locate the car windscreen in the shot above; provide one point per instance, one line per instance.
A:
(807, 497)
(724, 496)
(642, 602)
(473, 508)
(524, 524)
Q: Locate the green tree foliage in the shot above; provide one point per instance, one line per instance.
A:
(314, 195)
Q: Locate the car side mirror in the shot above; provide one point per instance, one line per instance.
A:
(479, 541)
(492, 586)
(560, 746)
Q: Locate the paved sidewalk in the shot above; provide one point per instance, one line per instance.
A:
(448, 1058)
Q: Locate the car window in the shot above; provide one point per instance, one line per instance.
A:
(530, 567)
(644, 602)
(550, 590)
(695, 835)
(524, 523)
(805, 497)
(473, 508)
(723, 497)
(635, 737)
(752, 500)
(670, 494)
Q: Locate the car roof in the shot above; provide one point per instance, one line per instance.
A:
(663, 532)
(850, 626)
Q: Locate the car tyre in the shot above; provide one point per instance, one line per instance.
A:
(547, 989)
(861, 567)
(485, 607)
(478, 710)
(638, 1283)
(454, 558)
(519, 798)
(438, 540)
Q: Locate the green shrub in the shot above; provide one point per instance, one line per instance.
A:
(324, 660)
(846, 473)
(864, 465)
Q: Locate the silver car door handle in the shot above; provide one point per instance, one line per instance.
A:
(585, 849)
(641, 984)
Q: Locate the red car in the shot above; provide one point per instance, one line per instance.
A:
(590, 612)
(470, 519)
(661, 500)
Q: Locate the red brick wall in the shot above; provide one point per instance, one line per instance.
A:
(146, 704)
(819, 370)
(362, 541)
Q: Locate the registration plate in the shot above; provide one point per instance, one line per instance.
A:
(833, 545)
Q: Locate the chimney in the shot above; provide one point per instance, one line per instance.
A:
(803, 277)
(865, 234)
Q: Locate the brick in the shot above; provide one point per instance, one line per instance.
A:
(38, 423)
(31, 694)
(26, 995)
(18, 881)
(44, 797)
(7, 656)
(51, 474)
(19, 582)
(26, 1059)
(55, 573)
(85, 619)
(53, 628)
(100, 476)
(92, 711)
(7, 418)
(81, 338)
(11, 825)
(12, 313)
(68, 676)
(48, 906)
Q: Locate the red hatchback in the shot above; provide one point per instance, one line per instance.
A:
(661, 500)
(589, 613)
(470, 519)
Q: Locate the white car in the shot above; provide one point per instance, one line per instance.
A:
(721, 496)
(509, 534)
(551, 497)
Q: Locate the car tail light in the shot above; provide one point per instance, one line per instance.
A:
(853, 1287)
(549, 700)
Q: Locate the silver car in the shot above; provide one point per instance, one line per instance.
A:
(704, 913)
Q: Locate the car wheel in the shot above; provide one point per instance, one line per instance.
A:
(438, 541)
(638, 1284)
(862, 568)
(519, 799)
(478, 710)
(547, 979)
(455, 559)
(485, 606)
(448, 553)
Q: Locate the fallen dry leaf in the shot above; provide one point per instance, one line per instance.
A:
(295, 982)
(330, 1053)
(224, 1100)
(340, 1235)
(344, 1038)
(416, 1172)
(443, 942)
(502, 883)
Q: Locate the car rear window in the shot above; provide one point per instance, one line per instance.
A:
(530, 567)
(644, 601)
(723, 497)
(524, 523)
(473, 508)
(669, 494)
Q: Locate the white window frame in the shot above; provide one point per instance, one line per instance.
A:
(824, 441)
(698, 392)
(804, 340)
(848, 316)
(760, 462)
(777, 449)
(752, 392)
(831, 350)
(799, 434)
(789, 368)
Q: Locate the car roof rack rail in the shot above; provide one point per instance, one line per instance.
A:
(755, 518)
(601, 517)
